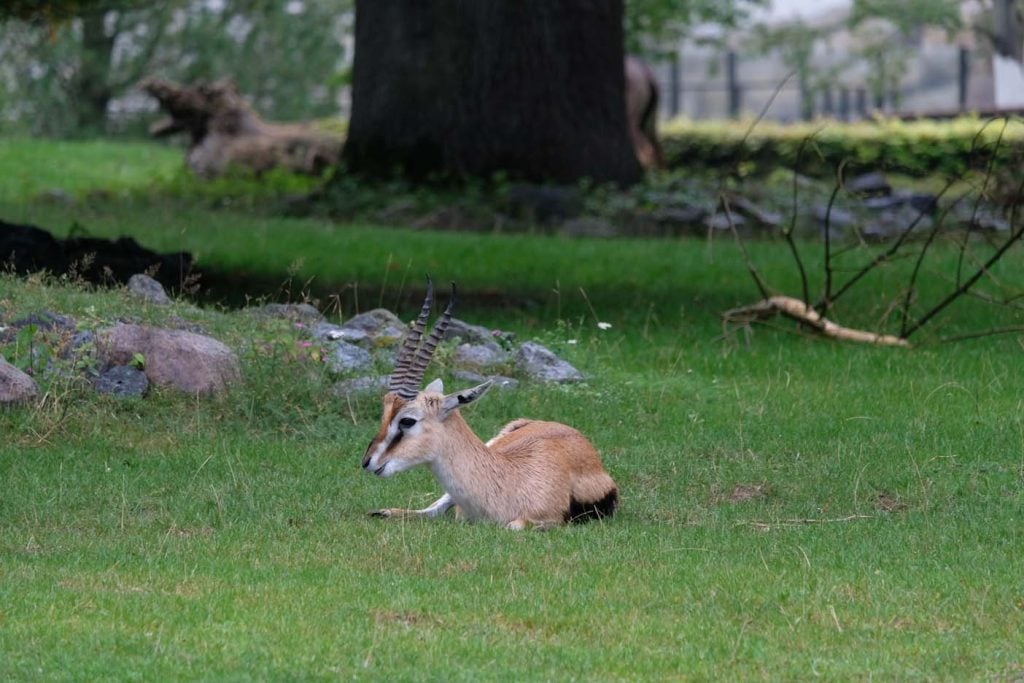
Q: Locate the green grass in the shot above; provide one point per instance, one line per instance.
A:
(226, 538)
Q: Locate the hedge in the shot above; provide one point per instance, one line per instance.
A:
(916, 148)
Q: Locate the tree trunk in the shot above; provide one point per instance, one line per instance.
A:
(470, 88)
(90, 90)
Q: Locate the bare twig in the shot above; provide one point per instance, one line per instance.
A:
(826, 300)
(1015, 236)
(765, 526)
(989, 167)
(761, 287)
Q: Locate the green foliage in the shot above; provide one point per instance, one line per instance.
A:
(916, 148)
(907, 15)
(64, 77)
(654, 25)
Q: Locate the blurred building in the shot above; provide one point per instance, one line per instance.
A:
(930, 72)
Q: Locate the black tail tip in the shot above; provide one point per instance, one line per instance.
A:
(584, 512)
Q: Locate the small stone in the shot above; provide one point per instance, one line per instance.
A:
(327, 332)
(540, 363)
(344, 357)
(122, 381)
(149, 289)
(15, 385)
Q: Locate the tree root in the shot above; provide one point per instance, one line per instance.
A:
(799, 311)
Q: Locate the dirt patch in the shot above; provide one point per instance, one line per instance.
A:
(889, 502)
(741, 493)
(408, 619)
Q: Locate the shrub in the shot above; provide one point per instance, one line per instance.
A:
(916, 148)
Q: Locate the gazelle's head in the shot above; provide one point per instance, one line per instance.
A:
(412, 427)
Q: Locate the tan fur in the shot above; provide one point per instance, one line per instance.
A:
(527, 475)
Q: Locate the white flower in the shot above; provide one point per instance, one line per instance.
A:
(572, 342)
(604, 326)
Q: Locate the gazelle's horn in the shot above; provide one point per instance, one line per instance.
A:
(419, 364)
(403, 380)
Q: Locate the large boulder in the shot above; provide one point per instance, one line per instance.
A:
(380, 325)
(540, 363)
(189, 362)
(15, 385)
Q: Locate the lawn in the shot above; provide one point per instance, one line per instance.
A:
(792, 508)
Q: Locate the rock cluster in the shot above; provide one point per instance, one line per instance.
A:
(124, 358)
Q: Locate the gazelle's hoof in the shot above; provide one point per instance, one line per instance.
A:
(379, 513)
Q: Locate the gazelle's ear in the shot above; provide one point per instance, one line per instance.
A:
(461, 398)
(437, 386)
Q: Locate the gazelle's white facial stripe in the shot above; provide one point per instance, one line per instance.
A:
(376, 460)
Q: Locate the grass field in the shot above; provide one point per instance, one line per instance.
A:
(226, 539)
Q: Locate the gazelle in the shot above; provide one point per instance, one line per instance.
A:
(532, 474)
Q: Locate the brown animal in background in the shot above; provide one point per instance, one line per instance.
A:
(642, 112)
(532, 474)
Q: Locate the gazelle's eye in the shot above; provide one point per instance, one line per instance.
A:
(407, 422)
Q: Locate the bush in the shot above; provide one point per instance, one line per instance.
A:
(916, 148)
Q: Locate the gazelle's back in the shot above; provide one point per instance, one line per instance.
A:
(553, 453)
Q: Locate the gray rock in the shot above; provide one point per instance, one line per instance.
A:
(122, 381)
(380, 325)
(923, 202)
(297, 312)
(894, 222)
(837, 217)
(500, 381)
(474, 334)
(360, 385)
(145, 287)
(756, 213)
(189, 362)
(540, 363)
(869, 183)
(479, 356)
(328, 332)
(343, 357)
(722, 221)
(15, 385)
(685, 217)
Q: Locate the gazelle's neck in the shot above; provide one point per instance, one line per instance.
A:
(463, 465)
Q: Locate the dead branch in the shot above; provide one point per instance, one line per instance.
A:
(226, 131)
(799, 311)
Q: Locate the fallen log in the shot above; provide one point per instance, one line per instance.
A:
(227, 132)
(797, 310)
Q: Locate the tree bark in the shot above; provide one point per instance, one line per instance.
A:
(470, 88)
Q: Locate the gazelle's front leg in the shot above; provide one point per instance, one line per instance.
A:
(435, 509)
